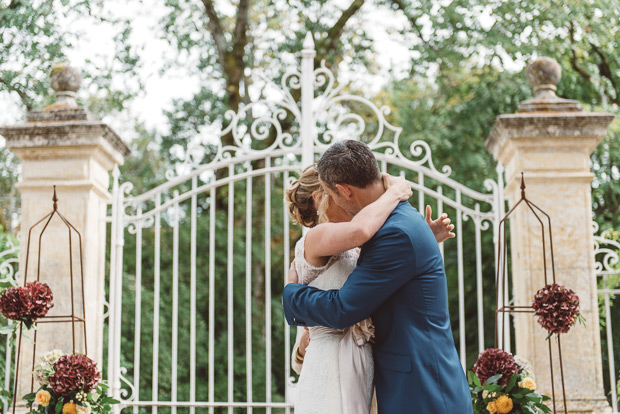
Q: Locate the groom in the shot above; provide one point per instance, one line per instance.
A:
(400, 282)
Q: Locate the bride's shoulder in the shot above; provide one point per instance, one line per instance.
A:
(306, 271)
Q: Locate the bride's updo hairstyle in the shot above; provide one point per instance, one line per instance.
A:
(300, 202)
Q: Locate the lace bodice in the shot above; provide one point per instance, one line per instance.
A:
(332, 275)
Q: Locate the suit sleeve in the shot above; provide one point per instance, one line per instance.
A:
(388, 264)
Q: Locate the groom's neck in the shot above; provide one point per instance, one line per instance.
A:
(371, 194)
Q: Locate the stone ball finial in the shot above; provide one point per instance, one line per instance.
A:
(543, 74)
(66, 81)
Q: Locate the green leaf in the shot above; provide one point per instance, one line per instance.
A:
(471, 376)
(8, 329)
(511, 382)
(109, 400)
(543, 408)
(30, 396)
(534, 397)
(59, 405)
(493, 379)
(493, 387)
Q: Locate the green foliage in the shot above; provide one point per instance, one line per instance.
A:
(472, 49)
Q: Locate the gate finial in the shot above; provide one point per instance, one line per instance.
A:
(308, 42)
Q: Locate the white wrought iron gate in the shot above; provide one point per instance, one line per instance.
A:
(211, 246)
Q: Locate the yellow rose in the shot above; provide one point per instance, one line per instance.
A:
(43, 398)
(491, 407)
(528, 383)
(69, 408)
(503, 404)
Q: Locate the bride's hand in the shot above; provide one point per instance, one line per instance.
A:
(292, 273)
(304, 342)
(398, 186)
(442, 229)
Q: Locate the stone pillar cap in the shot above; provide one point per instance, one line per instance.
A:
(543, 74)
(65, 81)
(64, 123)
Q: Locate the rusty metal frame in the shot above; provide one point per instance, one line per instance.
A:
(72, 318)
(502, 260)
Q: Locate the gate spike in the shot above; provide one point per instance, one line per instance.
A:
(522, 186)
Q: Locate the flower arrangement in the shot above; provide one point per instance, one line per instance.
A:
(69, 384)
(500, 383)
(26, 303)
(557, 308)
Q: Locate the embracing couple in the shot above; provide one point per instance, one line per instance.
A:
(378, 316)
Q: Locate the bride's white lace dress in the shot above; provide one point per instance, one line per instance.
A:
(319, 390)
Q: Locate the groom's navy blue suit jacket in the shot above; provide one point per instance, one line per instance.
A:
(400, 282)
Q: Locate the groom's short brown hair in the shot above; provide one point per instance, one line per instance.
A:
(348, 162)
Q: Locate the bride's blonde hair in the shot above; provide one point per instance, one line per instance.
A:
(300, 202)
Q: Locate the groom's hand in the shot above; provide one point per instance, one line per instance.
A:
(292, 273)
(442, 229)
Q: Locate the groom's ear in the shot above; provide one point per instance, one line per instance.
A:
(345, 191)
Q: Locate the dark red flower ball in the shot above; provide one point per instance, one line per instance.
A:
(16, 303)
(556, 307)
(42, 298)
(74, 373)
(493, 361)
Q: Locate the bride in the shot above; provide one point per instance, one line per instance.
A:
(337, 377)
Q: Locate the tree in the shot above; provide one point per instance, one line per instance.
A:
(493, 39)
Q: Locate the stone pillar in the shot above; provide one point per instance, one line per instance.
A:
(550, 139)
(63, 145)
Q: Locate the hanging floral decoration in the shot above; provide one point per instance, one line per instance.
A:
(26, 303)
(557, 308)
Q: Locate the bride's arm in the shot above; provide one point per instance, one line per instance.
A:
(328, 239)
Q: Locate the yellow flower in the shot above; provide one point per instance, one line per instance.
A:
(503, 404)
(43, 398)
(69, 408)
(491, 407)
(528, 383)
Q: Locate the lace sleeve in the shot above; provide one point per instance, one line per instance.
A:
(305, 271)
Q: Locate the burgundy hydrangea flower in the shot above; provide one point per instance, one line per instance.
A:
(16, 303)
(42, 298)
(556, 307)
(74, 373)
(493, 361)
